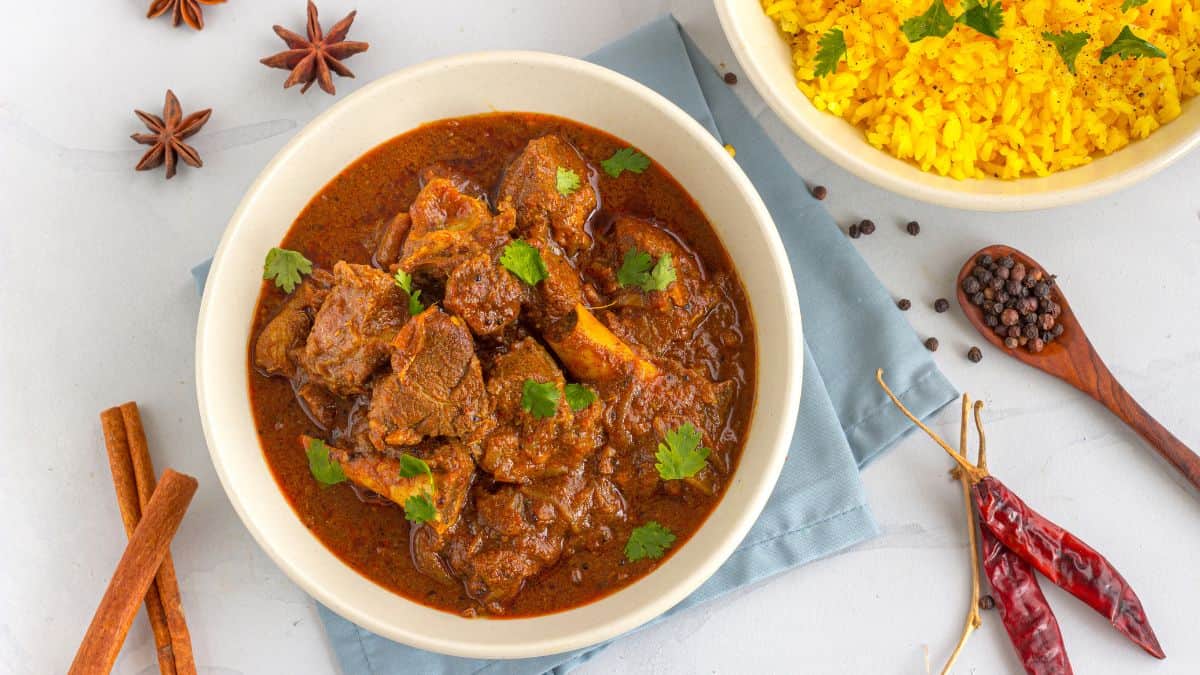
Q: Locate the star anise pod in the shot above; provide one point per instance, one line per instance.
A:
(181, 10)
(169, 132)
(314, 59)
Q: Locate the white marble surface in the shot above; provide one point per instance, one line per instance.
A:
(97, 308)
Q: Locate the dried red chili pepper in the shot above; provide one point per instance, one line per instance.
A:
(1064, 559)
(1024, 611)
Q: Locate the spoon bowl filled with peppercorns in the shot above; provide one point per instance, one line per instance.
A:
(1021, 309)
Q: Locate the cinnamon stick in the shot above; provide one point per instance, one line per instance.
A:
(120, 460)
(134, 574)
(166, 584)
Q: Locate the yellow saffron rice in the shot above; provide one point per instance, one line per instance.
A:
(972, 106)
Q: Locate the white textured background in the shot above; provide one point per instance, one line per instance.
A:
(97, 307)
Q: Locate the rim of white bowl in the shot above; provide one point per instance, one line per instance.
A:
(860, 165)
(653, 607)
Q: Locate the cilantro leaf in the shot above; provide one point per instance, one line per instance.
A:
(404, 281)
(415, 306)
(648, 541)
(935, 22)
(1068, 45)
(539, 399)
(419, 509)
(987, 19)
(681, 456)
(525, 261)
(635, 268)
(1130, 4)
(831, 49)
(639, 269)
(1127, 46)
(285, 268)
(566, 181)
(662, 275)
(579, 396)
(625, 159)
(324, 468)
(411, 467)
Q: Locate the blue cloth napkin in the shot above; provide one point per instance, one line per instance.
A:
(851, 328)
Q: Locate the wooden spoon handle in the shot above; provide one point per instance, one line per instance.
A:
(1103, 386)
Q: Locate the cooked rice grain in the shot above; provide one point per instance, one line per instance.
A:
(970, 106)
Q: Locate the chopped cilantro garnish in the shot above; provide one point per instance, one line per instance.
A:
(639, 269)
(579, 396)
(415, 306)
(539, 399)
(625, 159)
(525, 261)
(566, 181)
(285, 267)
(681, 456)
(411, 467)
(1068, 45)
(987, 19)
(404, 280)
(1127, 45)
(935, 22)
(324, 468)
(831, 49)
(1130, 4)
(648, 541)
(419, 509)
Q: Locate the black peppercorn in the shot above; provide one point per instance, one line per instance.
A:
(1007, 262)
(931, 344)
(1031, 331)
(975, 356)
(940, 305)
(1002, 273)
(991, 320)
(1009, 317)
(904, 304)
(854, 233)
(1011, 342)
(978, 298)
(819, 192)
(1004, 298)
(1017, 273)
(1000, 330)
(1013, 287)
(971, 285)
(980, 272)
(1057, 330)
(913, 227)
(1036, 345)
(1014, 331)
(867, 227)
(1042, 290)
(730, 78)
(985, 260)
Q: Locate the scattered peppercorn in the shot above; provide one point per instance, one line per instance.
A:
(931, 344)
(940, 305)
(987, 602)
(974, 355)
(854, 233)
(1016, 300)
(730, 78)
(904, 304)
(867, 227)
(819, 192)
(913, 227)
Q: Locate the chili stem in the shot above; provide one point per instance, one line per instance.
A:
(973, 621)
(974, 474)
(982, 463)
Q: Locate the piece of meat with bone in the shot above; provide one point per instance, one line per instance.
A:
(487, 296)
(350, 333)
(593, 353)
(503, 539)
(657, 320)
(449, 227)
(531, 184)
(450, 462)
(555, 296)
(524, 447)
(275, 352)
(435, 387)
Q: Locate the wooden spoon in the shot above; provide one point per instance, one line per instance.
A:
(1072, 358)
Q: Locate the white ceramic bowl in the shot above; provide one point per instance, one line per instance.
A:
(767, 60)
(463, 85)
